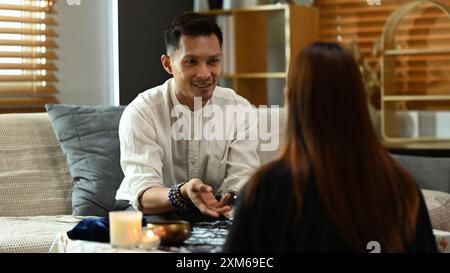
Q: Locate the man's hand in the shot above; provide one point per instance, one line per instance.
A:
(203, 198)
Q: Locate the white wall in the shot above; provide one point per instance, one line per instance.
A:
(85, 50)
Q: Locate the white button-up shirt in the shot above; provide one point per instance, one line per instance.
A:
(155, 154)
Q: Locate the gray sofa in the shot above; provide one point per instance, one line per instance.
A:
(36, 185)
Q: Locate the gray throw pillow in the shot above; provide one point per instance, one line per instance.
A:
(89, 139)
(430, 173)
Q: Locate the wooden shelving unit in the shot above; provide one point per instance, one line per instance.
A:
(252, 60)
(268, 75)
(394, 52)
(416, 94)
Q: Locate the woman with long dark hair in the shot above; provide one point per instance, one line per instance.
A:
(335, 188)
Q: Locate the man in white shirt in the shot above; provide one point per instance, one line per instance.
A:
(167, 170)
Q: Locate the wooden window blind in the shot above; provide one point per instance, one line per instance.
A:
(358, 23)
(26, 53)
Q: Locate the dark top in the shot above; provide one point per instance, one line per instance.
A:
(268, 224)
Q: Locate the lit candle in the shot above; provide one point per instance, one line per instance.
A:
(125, 228)
(150, 241)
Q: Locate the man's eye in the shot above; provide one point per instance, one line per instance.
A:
(191, 61)
(214, 61)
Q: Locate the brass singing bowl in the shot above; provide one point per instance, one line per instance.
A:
(172, 232)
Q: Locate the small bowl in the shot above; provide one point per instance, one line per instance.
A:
(171, 232)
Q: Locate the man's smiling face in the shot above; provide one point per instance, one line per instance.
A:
(196, 67)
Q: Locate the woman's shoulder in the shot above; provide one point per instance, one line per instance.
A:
(269, 187)
(276, 171)
(275, 168)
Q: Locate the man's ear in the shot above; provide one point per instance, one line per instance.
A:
(165, 60)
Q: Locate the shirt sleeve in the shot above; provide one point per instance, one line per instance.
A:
(242, 158)
(141, 155)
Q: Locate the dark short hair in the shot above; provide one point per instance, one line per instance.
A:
(190, 24)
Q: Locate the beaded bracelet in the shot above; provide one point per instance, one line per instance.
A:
(176, 199)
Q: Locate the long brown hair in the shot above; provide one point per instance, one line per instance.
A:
(367, 195)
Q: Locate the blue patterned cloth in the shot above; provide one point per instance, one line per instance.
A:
(206, 237)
